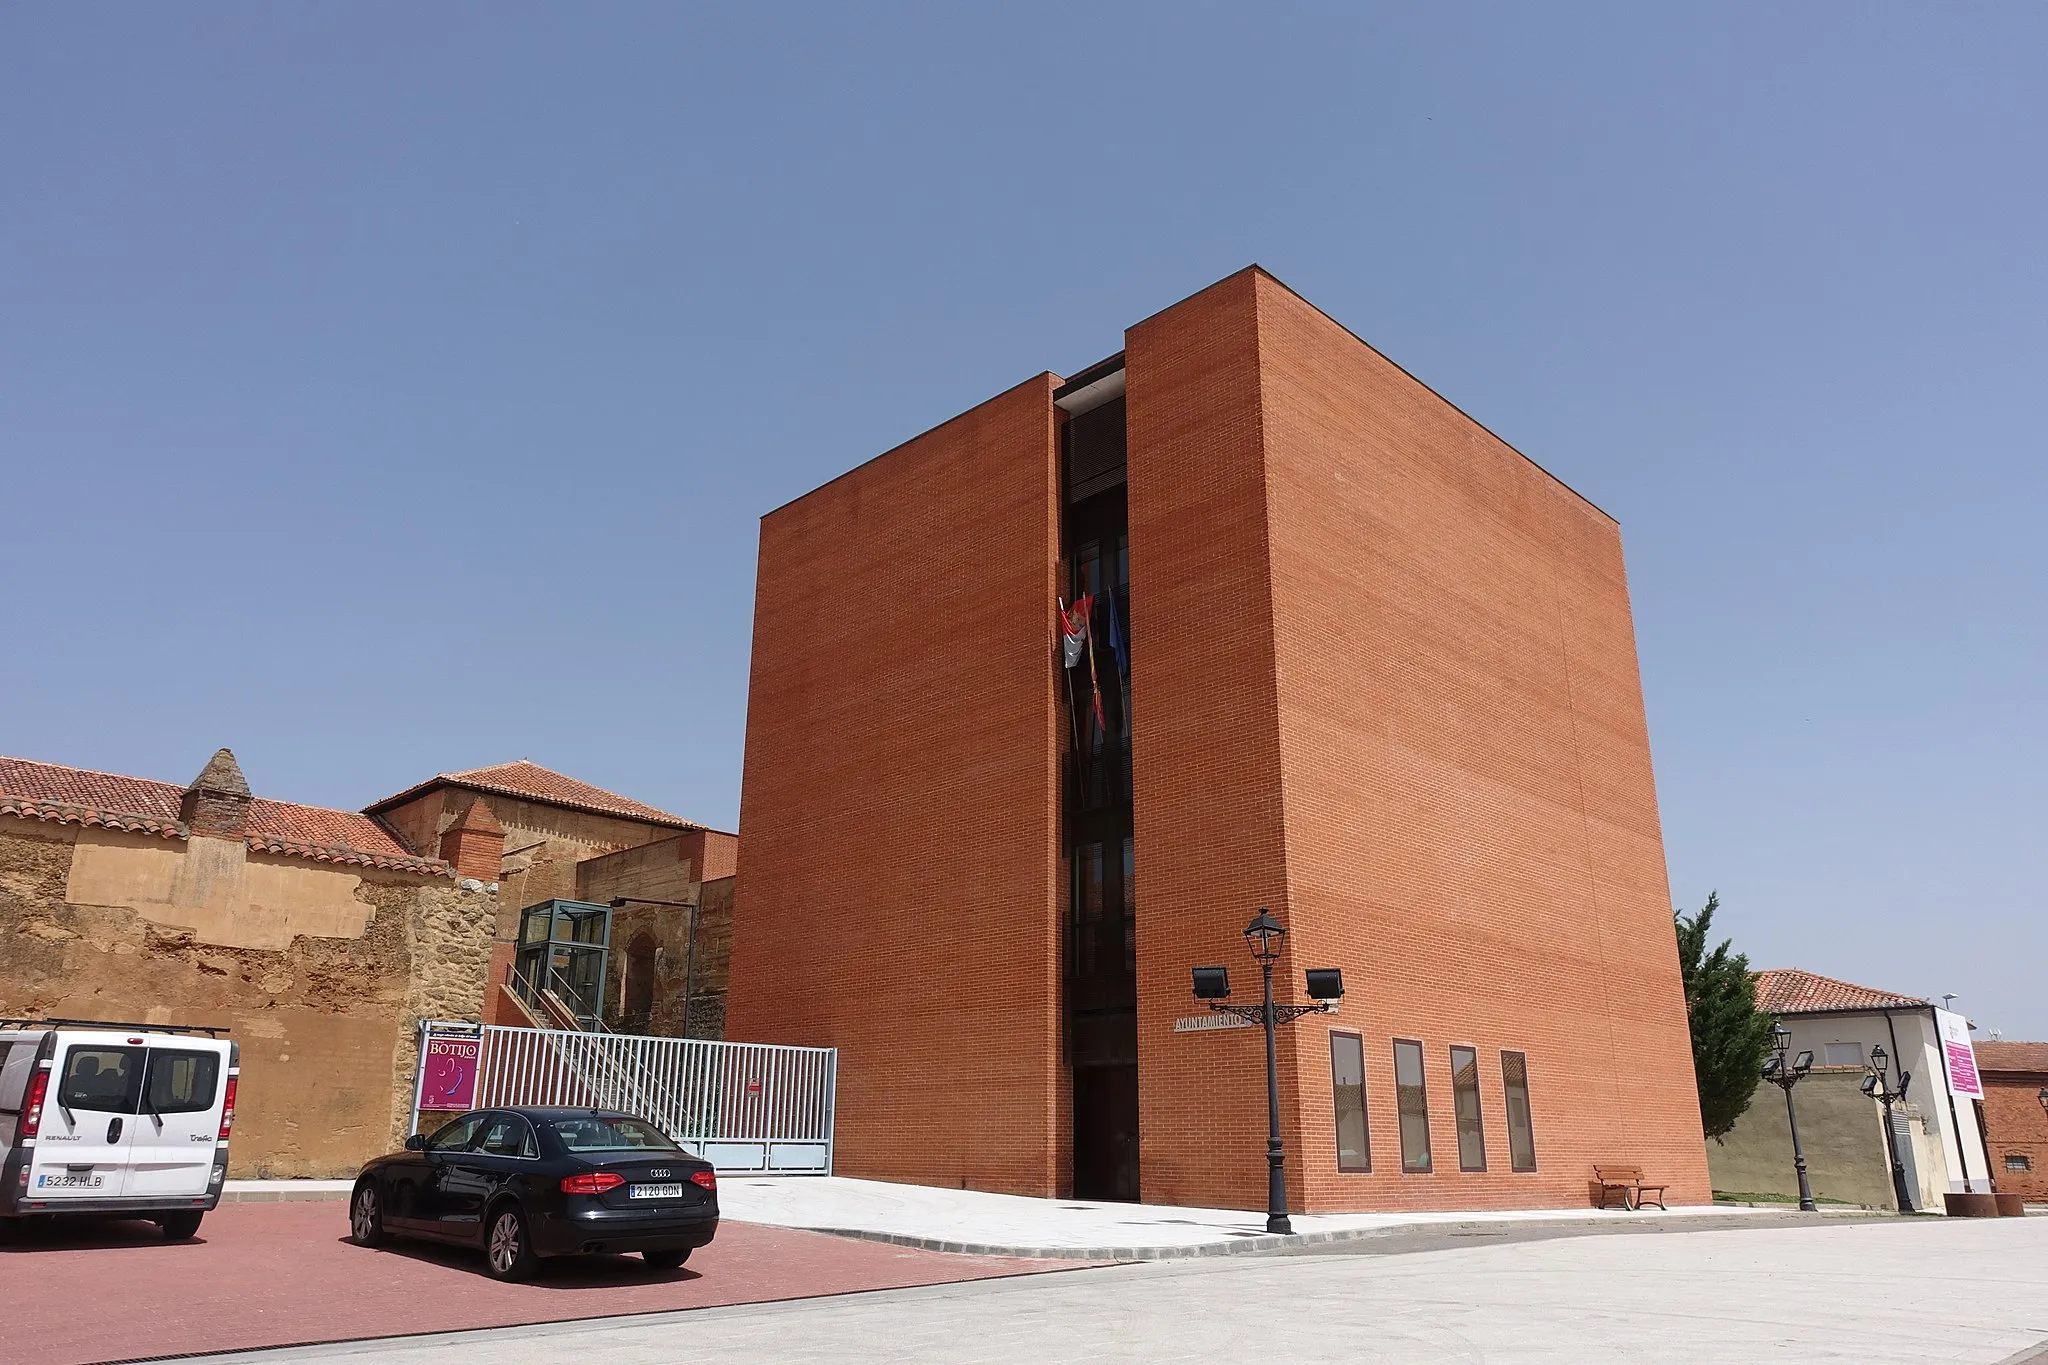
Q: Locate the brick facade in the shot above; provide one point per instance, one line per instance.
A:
(895, 894)
(1384, 682)
(2016, 1124)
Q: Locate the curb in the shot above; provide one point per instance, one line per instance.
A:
(1241, 1246)
(282, 1196)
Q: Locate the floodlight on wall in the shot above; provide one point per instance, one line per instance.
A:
(1325, 983)
(1212, 983)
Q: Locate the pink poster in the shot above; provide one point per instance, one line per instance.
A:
(1960, 1056)
(449, 1078)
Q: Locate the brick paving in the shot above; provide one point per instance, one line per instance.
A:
(278, 1274)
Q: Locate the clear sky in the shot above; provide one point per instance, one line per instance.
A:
(387, 389)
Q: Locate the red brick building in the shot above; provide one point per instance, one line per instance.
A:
(2015, 1077)
(1381, 679)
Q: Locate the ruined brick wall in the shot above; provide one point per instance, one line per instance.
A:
(325, 1023)
(895, 893)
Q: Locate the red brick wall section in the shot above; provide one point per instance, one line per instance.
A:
(1471, 822)
(2018, 1126)
(1205, 751)
(895, 895)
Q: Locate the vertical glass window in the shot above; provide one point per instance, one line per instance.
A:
(1130, 906)
(1514, 1070)
(1088, 568)
(1411, 1097)
(1087, 905)
(1347, 1086)
(1465, 1101)
(1123, 561)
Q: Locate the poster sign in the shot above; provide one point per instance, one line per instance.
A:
(448, 1072)
(1960, 1056)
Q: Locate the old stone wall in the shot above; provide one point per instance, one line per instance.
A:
(325, 1017)
(1840, 1128)
(651, 961)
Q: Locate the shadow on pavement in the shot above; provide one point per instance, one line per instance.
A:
(556, 1272)
(76, 1233)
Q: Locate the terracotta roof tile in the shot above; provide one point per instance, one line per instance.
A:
(1999, 1055)
(49, 791)
(529, 781)
(1790, 991)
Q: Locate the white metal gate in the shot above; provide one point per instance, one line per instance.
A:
(741, 1106)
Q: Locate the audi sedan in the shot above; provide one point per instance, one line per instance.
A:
(521, 1184)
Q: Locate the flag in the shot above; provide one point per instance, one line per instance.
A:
(1116, 640)
(1074, 628)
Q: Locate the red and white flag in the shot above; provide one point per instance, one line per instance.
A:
(1074, 628)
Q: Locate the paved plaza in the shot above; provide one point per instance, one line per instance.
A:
(1869, 1291)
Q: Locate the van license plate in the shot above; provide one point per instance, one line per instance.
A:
(654, 1192)
(70, 1182)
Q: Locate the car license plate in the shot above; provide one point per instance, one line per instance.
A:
(654, 1192)
(70, 1182)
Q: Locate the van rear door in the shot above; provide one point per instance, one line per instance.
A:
(88, 1119)
(179, 1119)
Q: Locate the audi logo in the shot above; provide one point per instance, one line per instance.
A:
(659, 1175)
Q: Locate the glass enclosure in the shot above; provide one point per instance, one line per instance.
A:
(562, 951)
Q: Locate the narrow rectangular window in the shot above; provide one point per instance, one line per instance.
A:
(1411, 1097)
(1347, 1085)
(1465, 1101)
(1514, 1070)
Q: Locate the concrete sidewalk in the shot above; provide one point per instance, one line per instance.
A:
(977, 1223)
(1072, 1229)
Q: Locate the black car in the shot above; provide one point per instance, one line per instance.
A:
(520, 1184)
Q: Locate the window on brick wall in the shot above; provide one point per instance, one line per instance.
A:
(1347, 1087)
(1465, 1103)
(1411, 1098)
(2018, 1161)
(1130, 905)
(1087, 908)
(1514, 1071)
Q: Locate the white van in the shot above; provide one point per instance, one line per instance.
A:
(128, 1120)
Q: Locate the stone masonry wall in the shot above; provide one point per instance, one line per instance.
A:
(325, 1024)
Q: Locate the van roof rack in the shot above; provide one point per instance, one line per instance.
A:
(210, 1030)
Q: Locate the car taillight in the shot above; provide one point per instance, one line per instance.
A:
(597, 1182)
(32, 1111)
(227, 1109)
(708, 1179)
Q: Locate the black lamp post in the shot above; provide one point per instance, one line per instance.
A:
(1325, 984)
(1877, 1085)
(1785, 1075)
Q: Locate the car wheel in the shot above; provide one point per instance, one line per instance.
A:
(665, 1260)
(508, 1251)
(180, 1227)
(366, 1216)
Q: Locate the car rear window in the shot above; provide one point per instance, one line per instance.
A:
(611, 1135)
(107, 1080)
(180, 1081)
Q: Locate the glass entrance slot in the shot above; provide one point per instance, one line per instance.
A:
(1100, 983)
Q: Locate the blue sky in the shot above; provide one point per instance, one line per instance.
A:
(392, 389)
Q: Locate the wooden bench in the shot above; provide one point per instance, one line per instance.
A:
(1629, 1183)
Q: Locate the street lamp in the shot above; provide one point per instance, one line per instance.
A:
(1878, 1087)
(1785, 1075)
(1264, 937)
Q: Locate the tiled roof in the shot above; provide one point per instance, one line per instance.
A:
(530, 782)
(1790, 991)
(2004, 1056)
(139, 805)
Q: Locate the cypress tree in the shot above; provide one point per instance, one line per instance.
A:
(1730, 1036)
